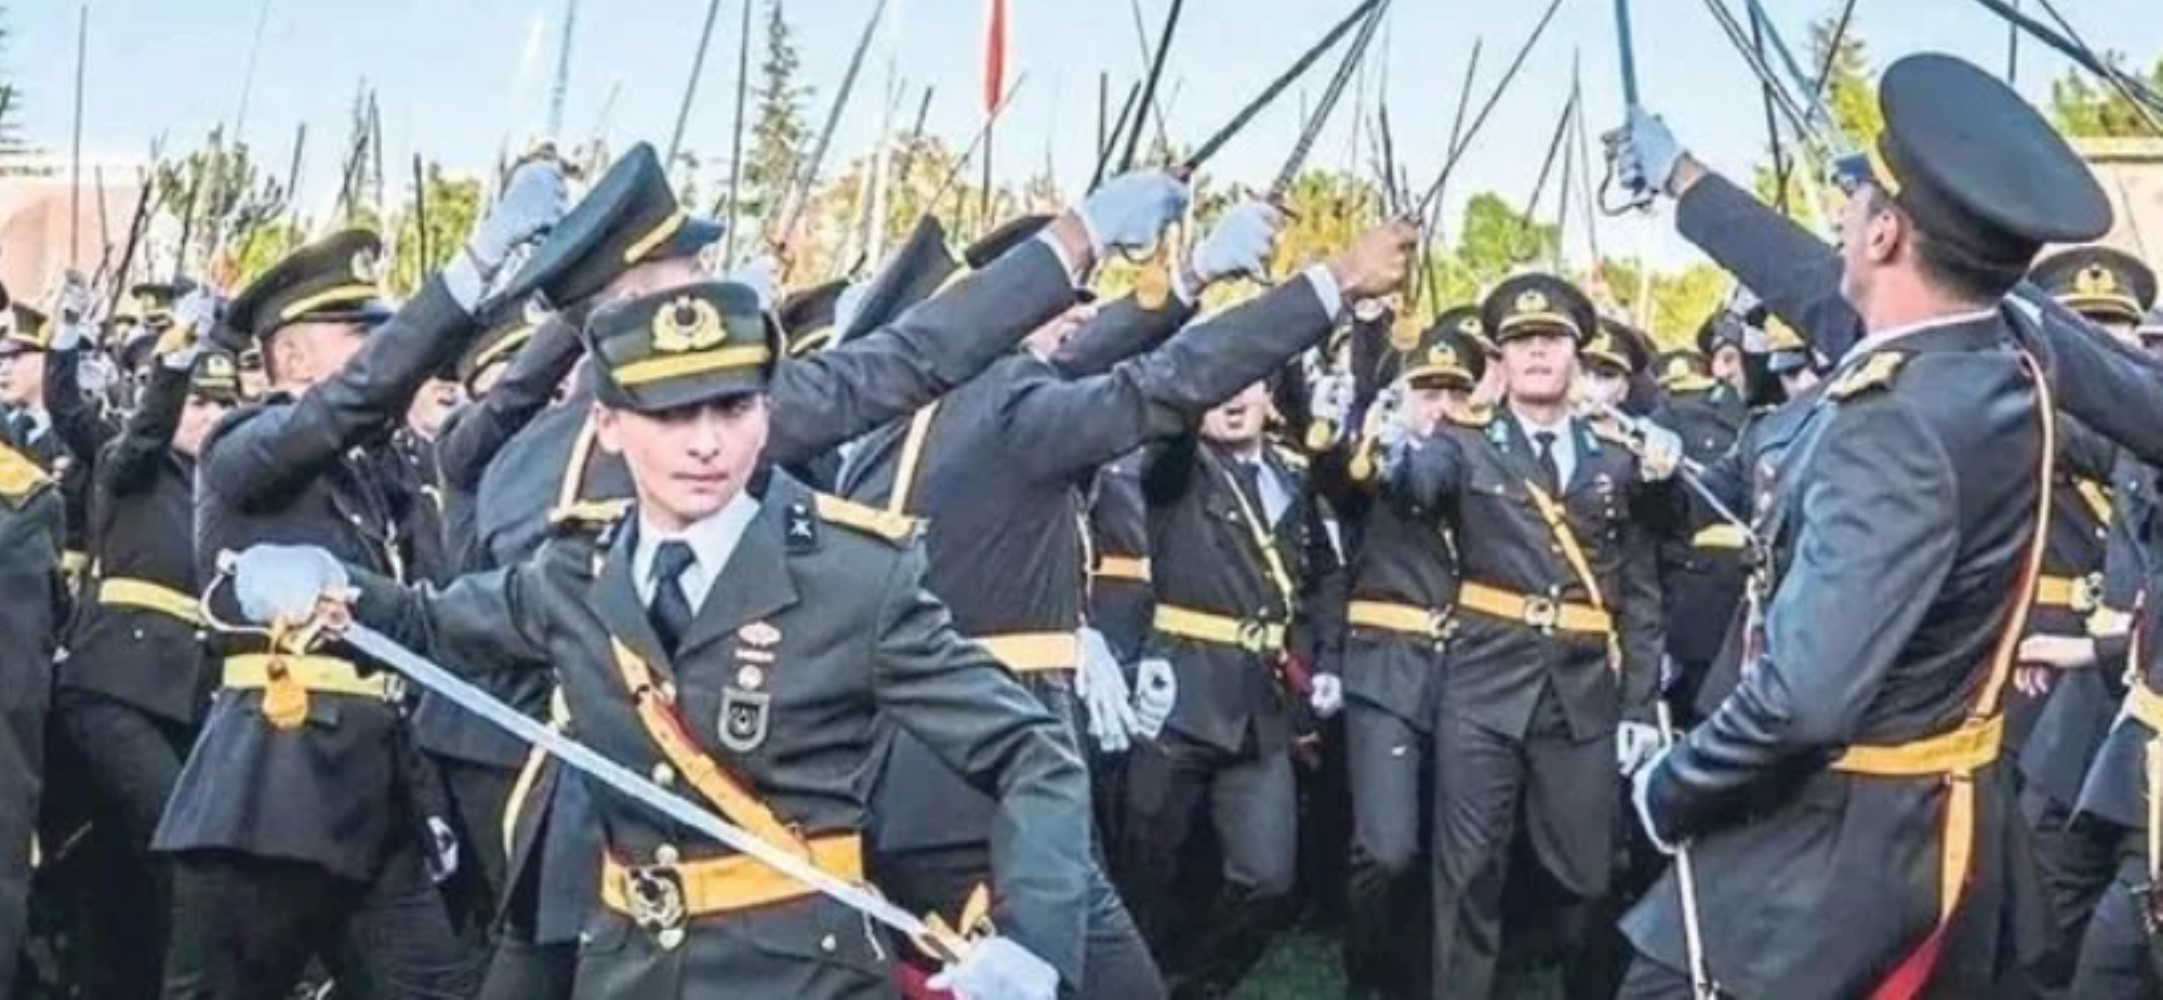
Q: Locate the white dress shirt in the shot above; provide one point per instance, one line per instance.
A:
(712, 539)
(1564, 449)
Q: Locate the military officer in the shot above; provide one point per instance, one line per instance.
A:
(1403, 589)
(135, 683)
(1702, 567)
(1910, 511)
(294, 826)
(1236, 530)
(912, 337)
(993, 468)
(739, 637)
(1549, 679)
(31, 527)
(24, 343)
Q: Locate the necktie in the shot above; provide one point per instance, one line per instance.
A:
(670, 610)
(1550, 473)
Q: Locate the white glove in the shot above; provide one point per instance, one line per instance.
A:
(1636, 743)
(1640, 800)
(286, 582)
(762, 276)
(1645, 153)
(1331, 399)
(532, 203)
(69, 336)
(998, 969)
(1156, 690)
(96, 374)
(1240, 244)
(1327, 698)
(198, 311)
(1659, 452)
(1103, 690)
(1130, 211)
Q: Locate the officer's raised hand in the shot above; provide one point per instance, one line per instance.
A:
(1238, 247)
(1376, 262)
(532, 203)
(287, 583)
(1647, 158)
(1130, 211)
(996, 968)
(1659, 452)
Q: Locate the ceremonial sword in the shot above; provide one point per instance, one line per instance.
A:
(1687, 469)
(1626, 58)
(631, 784)
(1693, 932)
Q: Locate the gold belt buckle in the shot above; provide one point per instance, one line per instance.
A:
(1254, 637)
(656, 895)
(1541, 612)
(2087, 594)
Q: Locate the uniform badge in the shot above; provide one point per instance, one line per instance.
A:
(367, 267)
(743, 718)
(802, 530)
(687, 324)
(2095, 279)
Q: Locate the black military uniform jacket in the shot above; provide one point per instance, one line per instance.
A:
(1702, 568)
(996, 472)
(81, 427)
(299, 470)
(1120, 595)
(1403, 580)
(1478, 480)
(817, 627)
(1904, 514)
(30, 594)
(136, 636)
(1220, 553)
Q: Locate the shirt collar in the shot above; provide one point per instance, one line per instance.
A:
(712, 538)
(1880, 339)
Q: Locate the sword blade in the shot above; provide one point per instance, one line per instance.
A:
(1627, 43)
(1210, 146)
(1319, 120)
(623, 780)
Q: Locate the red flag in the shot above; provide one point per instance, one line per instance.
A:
(994, 55)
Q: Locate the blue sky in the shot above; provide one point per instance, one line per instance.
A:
(449, 73)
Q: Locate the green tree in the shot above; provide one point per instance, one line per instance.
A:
(452, 207)
(1680, 301)
(2086, 109)
(778, 128)
(220, 196)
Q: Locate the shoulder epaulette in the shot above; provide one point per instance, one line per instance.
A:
(1876, 370)
(867, 519)
(1473, 415)
(19, 476)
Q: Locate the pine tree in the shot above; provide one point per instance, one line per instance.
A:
(2087, 108)
(778, 130)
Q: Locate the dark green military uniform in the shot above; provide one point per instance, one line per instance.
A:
(816, 625)
(295, 822)
(895, 358)
(135, 682)
(30, 531)
(1557, 641)
(1403, 590)
(1850, 823)
(994, 467)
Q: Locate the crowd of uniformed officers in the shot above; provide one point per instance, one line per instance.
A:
(1114, 637)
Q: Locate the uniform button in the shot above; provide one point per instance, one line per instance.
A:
(668, 692)
(666, 855)
(585, 938)
(826, 944)
(664, 775)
